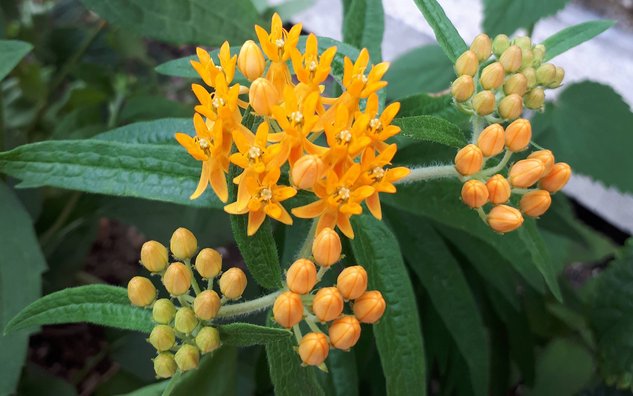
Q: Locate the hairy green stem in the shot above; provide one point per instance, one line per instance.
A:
(428, 173)
(306, 249)
(522, 191)
(479, 123)
(321, 272)
(249, 306)
(194, 282)
(297, 331)
(172, 383)
(495, 169)
(482, 215)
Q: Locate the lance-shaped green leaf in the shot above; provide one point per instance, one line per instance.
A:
(398, 334)
(364, 25)
(506, 16)
(11, 53)
(246, 334)
(150, 132)
(431, 128)
(437, 106)
(159, 172)
(342, 376)
(572, 36)
(99, 304)
(447, 36)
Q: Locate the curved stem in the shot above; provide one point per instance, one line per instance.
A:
(194, 282)
(172, 383)
(248, 306)
(501, 165)
(306, 249)
(479, 123)
(428, 173)
(522, 191)
(297, 331)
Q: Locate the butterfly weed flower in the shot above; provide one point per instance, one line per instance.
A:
(312, 69)
(208, 70)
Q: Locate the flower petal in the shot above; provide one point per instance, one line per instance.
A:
(218, 182)
(310, 211)
(345, 226)
(283, 193)
(373, 204)
(204, 180)
(255, 220)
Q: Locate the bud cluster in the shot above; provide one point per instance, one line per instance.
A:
(186, 329)
(326, 304)
(501, 89)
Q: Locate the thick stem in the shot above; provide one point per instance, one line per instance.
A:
(501, 165)
(479, 123)
(428, 173)
(172, 383)
(306, 249)
(297, 331)
(321, 272)
(248, 306)
(482, 215)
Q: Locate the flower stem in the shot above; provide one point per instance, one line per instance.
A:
(306, 249)
(194, 282)
(479, 123)
(428, 173)
(297, 331)
(501, 165)
(248, 306)
(522, 191)
(321, 272)
(172, 383)
(482, 215)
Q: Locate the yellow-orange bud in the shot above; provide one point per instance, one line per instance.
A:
(251, 61)
(186, 321)
(307, 171)
(522, 42)
(154, 256)
(207, 304)
(468, 160)
(141, 291)
(558, 78)
(500, 44)
(517, 84)
(177, 279)
(527, 57)
(352, 282)
(165, 365)
(511, 107)
(511, 59)
(504, 218)
(545, 74)
(535, 203)
(369, 307)
(301, 276)
(327, 304)
(313, 349)
(557, 178)
(526, 172)
(344, 332)
(482, 46)
(463, 88)
(467, 64)
(518, 135)
(491, 140)
(493, 76)
(233, 283)
(288, 309)
(162, 338)
(163, 311)
(474, 193)
(546, 157)
(183, 244)
(187, 357)
(208, 263)
(534, 99)
(530, 76)
(539, 55)
(484, 103)
(262, 96)
(498, 189)
(327, 247)
(208, 339)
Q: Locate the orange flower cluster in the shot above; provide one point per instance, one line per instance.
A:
(343, 174)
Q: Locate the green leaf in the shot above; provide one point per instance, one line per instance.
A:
(506, 16)
(150, 132)
(447, 36)
(158, 172)
(437, 106)
(245, 334)
(142, 108)
(364, 26)
(202, 22)
(99, 304)
(432, 129)
(11, 53)
(288, 9)
(398, 334)
(572, 36)
(342, 375)
(21, 266)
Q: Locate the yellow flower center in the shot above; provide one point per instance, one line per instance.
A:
(376, 125)
(217, 102)
(377, 174)
(204, 144)
(265, 194)
(343, 137)
(341, 195)
(254, 153)
(296, 118)
(280, 43)
(313, 66)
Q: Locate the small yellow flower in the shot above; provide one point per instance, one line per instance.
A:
(312, 69)
(380, 129)
(345, 143)
(208, 70)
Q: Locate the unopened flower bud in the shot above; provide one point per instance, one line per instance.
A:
(183, 244)
(503, 218)
(511, 59)
(327, 247)
(301, 276)
(546, 157)
(313, 349)
(527, 58)
(517, 84)
(511, 107)
(288, 309)
(539, 55)
(500, 44)
(208, 339)
(209, 263)
(484, 103)
(352, 282)
(163, 311)
(493, 76)
(558, 78)
(534, 99)
(165, 365)
(499, 189)
(491, 140)
(206, 305)
(463, 88)
(557, 178)
(327, 304)
(482, 46)
(344, 332)
(162, 338)
(522, 42)
(154, 256)
(251, 61)
(307, 171)
(530, 76)
(518, 135)
(467, 64)
(187, 357)
(141, 291)
(186, 320)
(468, 160)
(474, 193)
(233, 283)
(369, 307)
(545, 74)
(525, 173)
(262, 96)
(177, 279)
(535, 203)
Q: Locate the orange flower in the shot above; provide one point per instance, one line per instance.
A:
(345, 143)
(264, 200)
(311, 69)
(207, 147)
(380, 129)
(339, 200)
(208, 71)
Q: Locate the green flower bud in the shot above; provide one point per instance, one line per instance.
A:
(511, 59)
(186, 320)
(154, 256)
(539, 55)
(530, 75)
(500, 44)
(164, 365)
(482, 47)
(527, 58)
(511, 107)
(517, 84)
(162, 338)
(534, 99)
(163, 311)
(463, 88)
(545, 74)
(187, 357)
(541, 48)
(208, 339)
(484, 103)
(467, 64)
(492, 76)
(558, 79)
(525, 43)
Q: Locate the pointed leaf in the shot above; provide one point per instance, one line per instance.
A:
(426, 127)
(437, 106)
(246, 334)
(364, 25)
(150, 132)
(572, 36)
(11, 53)
(506, 16)
(447, 35)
